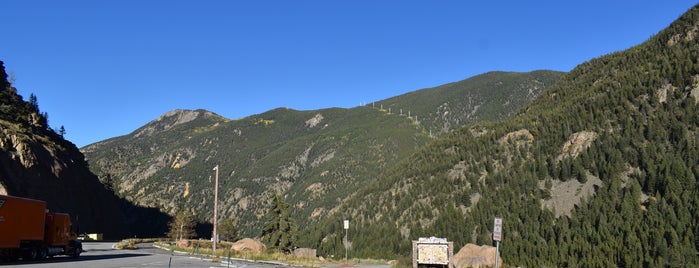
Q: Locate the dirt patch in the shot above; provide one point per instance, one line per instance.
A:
(565, 195)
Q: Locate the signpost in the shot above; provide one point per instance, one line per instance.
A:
(346, 224)
(214, 236)
(497, 236)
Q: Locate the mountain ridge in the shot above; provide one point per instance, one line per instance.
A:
(622, 128)
(315, 158)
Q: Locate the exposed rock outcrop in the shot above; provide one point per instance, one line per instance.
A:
(249, 245)
(310, 123)
(475, 256)
(170, 120)
(577, 143)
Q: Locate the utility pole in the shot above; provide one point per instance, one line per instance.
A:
(214, 236)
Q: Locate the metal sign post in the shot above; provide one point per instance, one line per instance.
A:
(497, 236)
(214, 236)
(346, 224)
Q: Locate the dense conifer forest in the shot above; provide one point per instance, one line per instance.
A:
(638, 112)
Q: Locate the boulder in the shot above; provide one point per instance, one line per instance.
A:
(184, 243)
(304, 252)
(249, 245)
(475, 256)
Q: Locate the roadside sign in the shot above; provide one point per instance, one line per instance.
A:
(346, 224)
(497, 229)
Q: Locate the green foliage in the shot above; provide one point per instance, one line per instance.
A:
(227, 230)
(280, 230)
(315, 166)
(489, 96)
(641, 104)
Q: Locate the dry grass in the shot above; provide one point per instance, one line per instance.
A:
(131, 243)
(223, 251)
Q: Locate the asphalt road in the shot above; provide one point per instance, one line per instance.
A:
(102, 255)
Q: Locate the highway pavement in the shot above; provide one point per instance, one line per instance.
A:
(101, 254)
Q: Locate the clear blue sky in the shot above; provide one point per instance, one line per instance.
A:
(104, 68)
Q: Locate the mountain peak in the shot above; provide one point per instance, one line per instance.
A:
(172, 119)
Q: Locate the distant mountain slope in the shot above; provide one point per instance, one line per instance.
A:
(489, 96)
(314, 158)
(36, 162)
(614, 144)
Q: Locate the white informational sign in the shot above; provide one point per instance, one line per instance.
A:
(497, 229)
(346, 224)
(433, 254)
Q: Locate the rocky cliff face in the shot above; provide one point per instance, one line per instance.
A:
(37, 163)
(31, 167)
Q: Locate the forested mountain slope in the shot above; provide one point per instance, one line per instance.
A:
(489, 96)
(599, 171)
(314, 159)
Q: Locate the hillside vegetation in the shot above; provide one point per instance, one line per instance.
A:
(490, 96)
(314, 159)
(617, 137)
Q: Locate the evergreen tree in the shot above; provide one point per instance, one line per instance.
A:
(227, 230)
(62, 131)
(34, 102)
(4, 83)
(280, 230)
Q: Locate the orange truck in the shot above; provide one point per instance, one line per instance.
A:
(30, 232)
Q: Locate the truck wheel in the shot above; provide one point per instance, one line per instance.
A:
(77, 252)
(30, 254)
(42, 253)
(77, 248)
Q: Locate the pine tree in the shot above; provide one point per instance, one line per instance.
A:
(280, 230)
(34, 102)
(228, 230)
(62, 131)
